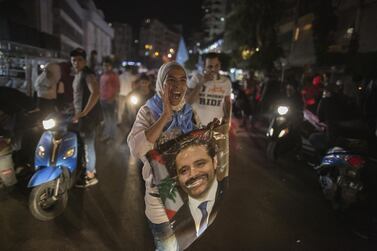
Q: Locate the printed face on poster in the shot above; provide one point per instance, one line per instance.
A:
(191, 173)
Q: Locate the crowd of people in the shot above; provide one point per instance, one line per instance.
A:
(335, 103)
(94, 95)
(150, 110)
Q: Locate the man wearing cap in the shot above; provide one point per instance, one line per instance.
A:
(87, 111)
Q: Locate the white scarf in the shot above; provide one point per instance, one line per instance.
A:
(161, 78)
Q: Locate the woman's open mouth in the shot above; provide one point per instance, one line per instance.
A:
(176, 96)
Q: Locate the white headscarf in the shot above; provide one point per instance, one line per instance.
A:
(160, 81)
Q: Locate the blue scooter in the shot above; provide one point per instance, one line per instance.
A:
(58, 164)
(340, 176)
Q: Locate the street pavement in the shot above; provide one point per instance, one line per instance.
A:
(269, 206)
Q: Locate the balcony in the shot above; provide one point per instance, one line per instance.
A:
(23, 34)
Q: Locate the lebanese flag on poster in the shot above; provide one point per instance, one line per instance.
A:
(171, 198)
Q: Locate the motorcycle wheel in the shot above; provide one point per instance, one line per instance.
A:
(41, 204)
(271, 151)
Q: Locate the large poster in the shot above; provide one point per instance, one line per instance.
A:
(191, 173)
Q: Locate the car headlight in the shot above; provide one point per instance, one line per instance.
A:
(69, 153)
(49, 124)
(41, 151)
(134, 100)
(282, 110)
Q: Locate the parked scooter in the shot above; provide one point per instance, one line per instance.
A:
(7, 172)
(58, 164)
(340, 176)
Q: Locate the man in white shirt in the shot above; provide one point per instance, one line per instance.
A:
(209, 93)
(127, 79)
(46, 87)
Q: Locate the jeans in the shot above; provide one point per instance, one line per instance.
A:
(108, 108)
(164, 238)
(121, 108)
(88, 139)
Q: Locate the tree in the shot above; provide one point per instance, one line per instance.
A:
(250, 31)
(323, 24)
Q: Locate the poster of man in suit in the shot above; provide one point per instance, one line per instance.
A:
(191, 173)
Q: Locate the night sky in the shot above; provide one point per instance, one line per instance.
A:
(185, 12)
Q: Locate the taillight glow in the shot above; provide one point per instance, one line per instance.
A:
(355, 161)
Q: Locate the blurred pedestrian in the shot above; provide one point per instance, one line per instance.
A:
(127, 81)
(137, 98)
(109, 90)
(87, 111)
(93, 61)
(46, 87)
(65, 91)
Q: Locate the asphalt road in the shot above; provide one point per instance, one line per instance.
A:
(269, 206)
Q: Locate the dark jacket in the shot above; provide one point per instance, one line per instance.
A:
(88, 122)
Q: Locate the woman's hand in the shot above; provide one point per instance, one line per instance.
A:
(167, 112)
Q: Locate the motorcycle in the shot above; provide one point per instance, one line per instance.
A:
(58, 165)
(340, 176)
(7, 173)
(289, 130)
(282, 133)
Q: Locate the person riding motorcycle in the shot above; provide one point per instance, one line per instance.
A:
(333, 109)
(136, 98)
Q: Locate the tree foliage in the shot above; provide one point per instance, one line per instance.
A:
(251, 24)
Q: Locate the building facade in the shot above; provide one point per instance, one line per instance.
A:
(214, 18)
(158, 42)
(98, 34)
(124, 46)
(34, 32)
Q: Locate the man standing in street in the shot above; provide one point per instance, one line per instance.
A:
(87, 111)
(127, 80)
(109, 90)
(209, 93)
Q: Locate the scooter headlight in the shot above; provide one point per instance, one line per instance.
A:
(283, 132)
(282, 110)
(270, 132)
(49, 124)
(232, 96)
(134, 100)
(41, 151)
(69, 153)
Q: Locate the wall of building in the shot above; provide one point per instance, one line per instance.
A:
(161, 39)
(123, 42)
(214, 18)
